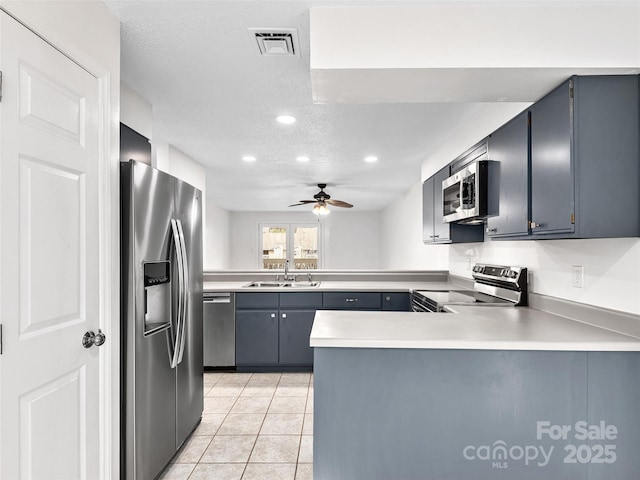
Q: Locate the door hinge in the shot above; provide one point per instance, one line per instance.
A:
(570, 88)
(573, 218)
(528, 224)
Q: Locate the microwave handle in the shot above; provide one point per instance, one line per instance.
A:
(464, 199)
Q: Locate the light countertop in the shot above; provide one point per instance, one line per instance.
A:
(335, 286)
(477, 328)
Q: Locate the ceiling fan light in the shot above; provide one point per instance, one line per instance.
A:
(320, 208)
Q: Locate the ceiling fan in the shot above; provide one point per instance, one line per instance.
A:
(321, 200)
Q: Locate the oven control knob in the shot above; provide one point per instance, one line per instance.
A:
(513, 274)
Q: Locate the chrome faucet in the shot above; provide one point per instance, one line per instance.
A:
(286, 272)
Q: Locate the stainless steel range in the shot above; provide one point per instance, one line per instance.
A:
(495, 285)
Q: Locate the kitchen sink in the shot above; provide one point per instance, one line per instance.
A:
(301, 284)
(264, 284)
(281, 284)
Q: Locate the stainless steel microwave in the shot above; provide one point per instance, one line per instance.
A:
(464, 194)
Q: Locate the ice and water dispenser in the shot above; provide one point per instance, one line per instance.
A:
(157, 296)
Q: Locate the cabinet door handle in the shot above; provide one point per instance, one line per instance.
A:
(284, 315)
(351, 300)
(273, 315)
(436, 236)
(492, 230)
(537, 225)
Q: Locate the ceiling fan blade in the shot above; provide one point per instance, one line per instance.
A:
(339, 203)
(303, 202)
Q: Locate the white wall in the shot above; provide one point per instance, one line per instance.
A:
(217, 227)
(401, 244)
(135, 112)
(350, 240)
(171, 160)
(611, 266)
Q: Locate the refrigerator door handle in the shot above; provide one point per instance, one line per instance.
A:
(185, 292)
(177, 243)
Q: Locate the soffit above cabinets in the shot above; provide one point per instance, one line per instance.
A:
(466, 52)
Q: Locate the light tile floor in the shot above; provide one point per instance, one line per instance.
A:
(254, 426)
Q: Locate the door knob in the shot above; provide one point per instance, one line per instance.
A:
(89, 339)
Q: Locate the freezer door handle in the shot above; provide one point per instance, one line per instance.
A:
(185, 291)
(175, 344)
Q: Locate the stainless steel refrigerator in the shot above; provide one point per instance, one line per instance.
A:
(162, 364)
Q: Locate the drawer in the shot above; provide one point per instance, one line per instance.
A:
(351, 300)
(396, 301)
(301, 300)
(257, 300)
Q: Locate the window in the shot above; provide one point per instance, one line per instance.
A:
(300, 244)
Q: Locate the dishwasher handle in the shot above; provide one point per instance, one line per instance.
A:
(216, 298)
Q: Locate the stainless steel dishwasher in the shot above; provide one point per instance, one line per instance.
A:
(219, 329)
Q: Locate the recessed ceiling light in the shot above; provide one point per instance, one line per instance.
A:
(286, 119)
(249, 158)
(370, 159)
(302, 159)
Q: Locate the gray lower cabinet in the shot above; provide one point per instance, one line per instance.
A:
(434, 229)
(295, 329)
(396, 302)
(351, 300)
(256, 337)
(509, 151)
(272, 329)
(297, 311)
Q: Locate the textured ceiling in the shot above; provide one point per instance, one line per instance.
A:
(216, 100)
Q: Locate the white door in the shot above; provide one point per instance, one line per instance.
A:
(49, 279)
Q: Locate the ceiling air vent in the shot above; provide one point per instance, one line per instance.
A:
(275, 42)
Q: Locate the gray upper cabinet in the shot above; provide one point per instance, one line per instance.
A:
(428, 211)
(509, 178)
(552, 188)
(585, 159)
(434, 229)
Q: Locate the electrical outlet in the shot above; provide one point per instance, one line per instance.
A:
(577, 276)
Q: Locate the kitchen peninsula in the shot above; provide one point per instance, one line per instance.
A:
(491, 393)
